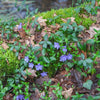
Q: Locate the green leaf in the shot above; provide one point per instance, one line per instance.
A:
(1, 95)
(48, 42)
(12, 48)
(15, 42)
(99, 82)
(88, 84)
(98, 75)
(64, 28)
(97, 98)
(82, 56)
(10, 80)
(70, 64)
(52, 58)
(45, 45)
(17, 53)
(84, 63)
(88, 60)
(79, 45)
(80, 28)
(46, 59)
(68, 21)
(98, 89)
(42, 42)
(80, 62)
(36, 47)
(46, 37)
(17, 48)
(90, 41)
(43, 52)
(28, 73)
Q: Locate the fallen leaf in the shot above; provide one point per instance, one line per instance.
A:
(98, 16)
(41, 21)
(98, 64)
(96, 3)
(8, 96)
(4, 45)
(72, 19)
(33, 17)
(40, 80)
(91, 31)
(27, 42)
(67, 93)
(31, 40)
(31, 73)
(54, 14)
(42, 94)
(16, 28)
(22, 33)
(84, 16)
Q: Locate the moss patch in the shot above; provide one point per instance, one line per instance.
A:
(8, 62)
(64, 13)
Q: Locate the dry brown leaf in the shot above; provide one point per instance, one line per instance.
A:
(32, 30)
(33, 17)
(67, 93)
(41, 21)
(29, 70)
(27, 42)
(98, 64)
(37, 92)
(72, 19)
(42, 94)
(16, 28)
(96, 3)
(91, 31)
(22, 33)
(8, 96)
(65, 20)
(31, 40)
(84, 16)
(85, 54)
(98, 16)
(54, 14)
(4, 45)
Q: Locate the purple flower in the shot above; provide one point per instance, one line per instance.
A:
(31, 65)
(20, 26)
(26, 59)
(44, 74)
(38, 67)
(20, 97)
(69, 56)
(63, 58)
(64, 49)
(56, 45)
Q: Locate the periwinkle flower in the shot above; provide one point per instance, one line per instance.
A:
(20, 26)
(69, 56)
(38, 67)
(44, 74)
(31, 65)
(56, 45)
(63, 58)
(20, 97)
(26, 59)
(64, 49)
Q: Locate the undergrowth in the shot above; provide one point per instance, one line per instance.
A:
(59, 49)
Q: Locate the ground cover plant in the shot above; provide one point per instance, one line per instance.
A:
(52, 56)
